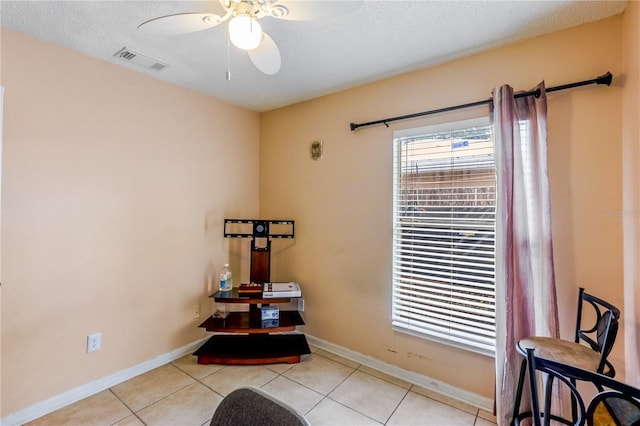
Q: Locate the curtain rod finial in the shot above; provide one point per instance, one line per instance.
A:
(605, 79)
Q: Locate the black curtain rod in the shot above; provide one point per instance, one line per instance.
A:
(603, 79)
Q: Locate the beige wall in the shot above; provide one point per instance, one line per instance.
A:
(114, 190)
(631, 189)
(342, 204)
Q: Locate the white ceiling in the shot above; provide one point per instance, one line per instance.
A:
(377, 40)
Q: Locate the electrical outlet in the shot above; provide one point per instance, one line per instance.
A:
(196, 311)
(301, 304)
(93, 342)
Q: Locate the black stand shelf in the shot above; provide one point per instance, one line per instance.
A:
(246, 340)
(253, 349)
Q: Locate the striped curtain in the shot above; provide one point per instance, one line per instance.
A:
(525, 282)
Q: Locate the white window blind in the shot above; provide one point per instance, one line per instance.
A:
(444, 236)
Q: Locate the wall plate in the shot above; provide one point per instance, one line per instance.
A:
(315, 150)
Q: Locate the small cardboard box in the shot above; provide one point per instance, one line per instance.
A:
(270, 323)
(270, 312)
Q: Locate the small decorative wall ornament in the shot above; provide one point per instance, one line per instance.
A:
(316, 150)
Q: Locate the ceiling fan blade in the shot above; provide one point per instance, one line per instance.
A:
(266, 57)
(179, 24)
(313, 10)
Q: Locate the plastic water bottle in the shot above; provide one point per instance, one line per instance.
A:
(226, 281)
(229, 277)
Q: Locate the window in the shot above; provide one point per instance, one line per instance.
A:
(444, 234)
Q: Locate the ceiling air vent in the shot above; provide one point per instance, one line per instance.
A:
(139, 59)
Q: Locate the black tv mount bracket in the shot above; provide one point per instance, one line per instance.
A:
(261, 231)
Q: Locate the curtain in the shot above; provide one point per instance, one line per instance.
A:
(1, 132)
(525, 282)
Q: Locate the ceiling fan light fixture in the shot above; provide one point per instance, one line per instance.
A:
(245, 31)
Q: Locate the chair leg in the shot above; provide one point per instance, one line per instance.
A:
(574, 403)
(516, 406)
(535, 401)
(547, 400)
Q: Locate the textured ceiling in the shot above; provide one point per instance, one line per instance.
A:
(378, 39)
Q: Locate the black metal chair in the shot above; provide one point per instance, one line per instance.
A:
(589, 349)
(249, 406)
(616, 403)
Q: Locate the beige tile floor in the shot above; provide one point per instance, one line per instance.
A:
(327, 389)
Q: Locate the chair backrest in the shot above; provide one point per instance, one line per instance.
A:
(601, 334)
(249, 406)
(615, 403)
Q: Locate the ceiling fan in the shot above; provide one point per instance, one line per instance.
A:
(244, 30)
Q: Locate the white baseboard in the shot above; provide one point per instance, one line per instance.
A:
(406, 375)
(59, 401)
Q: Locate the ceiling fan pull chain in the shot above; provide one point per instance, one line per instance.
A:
(227, 74)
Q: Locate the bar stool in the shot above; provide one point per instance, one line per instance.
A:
(599, 339)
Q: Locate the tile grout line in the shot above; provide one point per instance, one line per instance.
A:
(325, 396)
(407, 391)
(338, 385)
(304, 386)
(315, 405)
(207, 386)
(133, 413)
(164, 397)
(332, 389)
(397, 405)
(364, 414)
(355, 369)
(354, 410)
